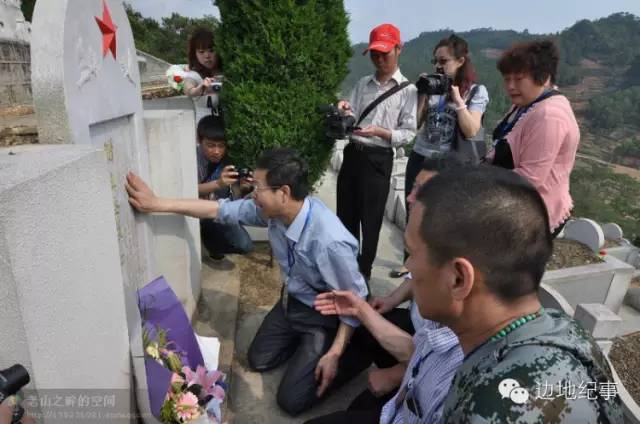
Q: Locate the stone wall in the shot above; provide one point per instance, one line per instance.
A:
(15, 60)
(15, 73)
(152, 69)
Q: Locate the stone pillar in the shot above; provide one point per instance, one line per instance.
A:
(171, 138)
(61, 294)
(87, 91)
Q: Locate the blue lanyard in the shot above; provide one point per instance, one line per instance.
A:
(216, 173)
(505, 126)
(291, 257)
(442, 103)
(416, 367)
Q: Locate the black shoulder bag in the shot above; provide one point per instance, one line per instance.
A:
(471, 150)
(379, 100)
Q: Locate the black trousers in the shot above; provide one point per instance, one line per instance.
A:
(365, 350)
(301, 336)
(365, 409)
(414, 164)
(363, 187)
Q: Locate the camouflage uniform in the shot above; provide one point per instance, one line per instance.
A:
(565, 374)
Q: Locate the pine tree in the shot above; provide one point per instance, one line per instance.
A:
(282, 59)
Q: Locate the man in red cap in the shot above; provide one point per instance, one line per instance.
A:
(363, 181)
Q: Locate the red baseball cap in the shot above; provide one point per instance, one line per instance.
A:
(383, 38)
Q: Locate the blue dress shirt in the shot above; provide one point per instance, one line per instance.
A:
(324, 251)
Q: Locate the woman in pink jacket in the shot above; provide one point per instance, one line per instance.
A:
(539, 136)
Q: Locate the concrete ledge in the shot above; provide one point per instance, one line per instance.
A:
(170, 103)
(605, 283)
(598, 320)
(550, 298)
(217, 311)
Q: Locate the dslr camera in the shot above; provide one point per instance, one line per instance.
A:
(434, 84)
(244, 172)
(337, 124)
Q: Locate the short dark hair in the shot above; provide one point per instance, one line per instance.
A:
(442, 162)
(211, 127)
(539, 59)
(286, 167)
(494, 218)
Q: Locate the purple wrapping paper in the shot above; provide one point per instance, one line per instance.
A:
(160, 307)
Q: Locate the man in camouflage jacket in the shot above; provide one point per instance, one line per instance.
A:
(479, 242)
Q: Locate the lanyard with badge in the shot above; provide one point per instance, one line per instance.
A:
(291, 259)
(502, 151)
(436, 130)
(407, 392)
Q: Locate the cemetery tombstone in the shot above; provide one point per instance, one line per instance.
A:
(612, 231)
(585, 231)
(86, 91)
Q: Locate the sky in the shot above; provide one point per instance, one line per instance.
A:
(416, 16)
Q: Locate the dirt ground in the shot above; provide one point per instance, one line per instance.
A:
(569, 253)
(260, 283)
(158, 92)
(625, 359)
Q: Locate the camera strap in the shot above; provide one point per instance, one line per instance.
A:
(380, 99)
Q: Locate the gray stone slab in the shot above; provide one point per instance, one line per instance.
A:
(62, 299)
(632, 298)
(605, 282)
(87, 95)
(612, 231)
(585, 231)
(598, 320)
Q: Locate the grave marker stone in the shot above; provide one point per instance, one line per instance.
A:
(87, 91)
(612, 231)
(585, 231)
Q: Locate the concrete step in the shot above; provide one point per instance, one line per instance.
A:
(217, 310)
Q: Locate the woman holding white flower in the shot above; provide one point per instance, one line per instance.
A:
(203, 80)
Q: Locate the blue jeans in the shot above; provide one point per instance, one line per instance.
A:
(224, 238)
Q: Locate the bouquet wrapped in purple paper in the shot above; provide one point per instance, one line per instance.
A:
(181, 390)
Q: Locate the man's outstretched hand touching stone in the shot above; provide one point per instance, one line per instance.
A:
(141, 196)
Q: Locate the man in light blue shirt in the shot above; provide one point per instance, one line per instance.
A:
(315, 253)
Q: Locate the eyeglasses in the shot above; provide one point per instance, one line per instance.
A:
(440, 61)
(257, 188)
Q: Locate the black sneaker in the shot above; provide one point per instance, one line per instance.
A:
(216, 256)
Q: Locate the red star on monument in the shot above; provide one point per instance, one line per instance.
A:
(108, 30)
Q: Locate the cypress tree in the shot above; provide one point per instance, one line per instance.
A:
(282, 58)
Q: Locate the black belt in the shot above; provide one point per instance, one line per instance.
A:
(361, 147)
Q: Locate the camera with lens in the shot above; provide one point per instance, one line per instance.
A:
(337, 124)
(12, 380)
(434, 84)
(216, 86)
(244, 172)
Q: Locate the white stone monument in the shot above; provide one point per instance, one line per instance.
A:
(612, 231)
(170, 136)
(86, 91)
(61, 294)
(585, 231)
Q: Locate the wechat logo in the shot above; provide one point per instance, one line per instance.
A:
(510, 388)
